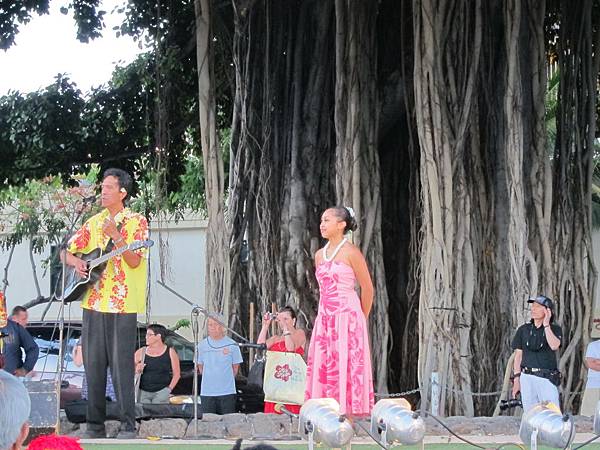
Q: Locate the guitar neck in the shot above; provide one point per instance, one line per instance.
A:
(106, 257)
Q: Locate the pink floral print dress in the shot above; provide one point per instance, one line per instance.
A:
(339, 359)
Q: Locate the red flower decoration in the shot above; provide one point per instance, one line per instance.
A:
(283, 372)
(82, 237)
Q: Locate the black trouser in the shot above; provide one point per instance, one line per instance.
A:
(109, 341)
(218, 404)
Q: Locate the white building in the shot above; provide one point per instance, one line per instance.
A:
(183, 262)
(177, 259)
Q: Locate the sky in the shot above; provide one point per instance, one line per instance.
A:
(47, 45)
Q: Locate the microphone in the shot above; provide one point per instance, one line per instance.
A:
(281, 409)
(89, 200)
(252, 345)
(197, 309)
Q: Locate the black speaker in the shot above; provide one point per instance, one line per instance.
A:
(43, 418)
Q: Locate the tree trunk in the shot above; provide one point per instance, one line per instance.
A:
(217, 287)
(357, 158)
(281, 150)
(447, 46)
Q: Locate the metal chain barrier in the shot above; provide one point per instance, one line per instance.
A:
(456, 391)
(398, 394)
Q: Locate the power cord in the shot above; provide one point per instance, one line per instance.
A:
(370, 435)
(425, 413)
(508, 444)
(571, 430)
(443, 425)
(589, 441)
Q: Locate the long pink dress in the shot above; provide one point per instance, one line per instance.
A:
(339, 359)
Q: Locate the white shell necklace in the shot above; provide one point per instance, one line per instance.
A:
(335, 251)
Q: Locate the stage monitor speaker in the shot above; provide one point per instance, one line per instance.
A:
(43, 418)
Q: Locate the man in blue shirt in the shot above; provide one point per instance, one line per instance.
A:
(18, 338)
(219, 359)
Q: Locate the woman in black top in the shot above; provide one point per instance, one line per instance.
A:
(158, 366)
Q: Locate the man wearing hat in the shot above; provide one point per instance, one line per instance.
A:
(535, 370)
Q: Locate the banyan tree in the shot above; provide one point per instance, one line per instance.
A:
(429, 118)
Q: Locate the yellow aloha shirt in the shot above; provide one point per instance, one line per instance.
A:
(120, 289)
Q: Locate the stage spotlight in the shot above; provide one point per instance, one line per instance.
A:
(320, 422)
(544, 423)
(393, 421)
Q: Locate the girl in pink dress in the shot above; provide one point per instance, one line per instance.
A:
(339, 359)
(291, 339)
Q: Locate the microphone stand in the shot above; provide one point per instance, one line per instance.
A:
(196, 334)
(61, 310)
(196, 310)
(2, 336)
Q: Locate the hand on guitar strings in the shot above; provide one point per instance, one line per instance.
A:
(81, 267)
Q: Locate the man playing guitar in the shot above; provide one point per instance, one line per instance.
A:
(111, 305)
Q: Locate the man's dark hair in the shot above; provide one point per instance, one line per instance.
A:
(18, 309)
(124, 179)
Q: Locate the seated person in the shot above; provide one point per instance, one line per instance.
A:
(289, 339)
(78, 361)
(14, 412)
(219, 359)
(20, 315)
(17, 341)
(158, 366)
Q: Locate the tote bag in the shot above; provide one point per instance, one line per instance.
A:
(285, 378)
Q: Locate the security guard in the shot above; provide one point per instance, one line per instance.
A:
(535, 343)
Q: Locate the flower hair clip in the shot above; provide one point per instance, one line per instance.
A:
(350, 211)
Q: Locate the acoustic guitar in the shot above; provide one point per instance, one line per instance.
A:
(77, 285)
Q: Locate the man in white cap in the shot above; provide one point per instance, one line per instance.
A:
(535, 369)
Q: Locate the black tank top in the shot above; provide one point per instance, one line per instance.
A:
(157, 373)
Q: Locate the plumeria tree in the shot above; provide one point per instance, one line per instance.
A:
(41, 212)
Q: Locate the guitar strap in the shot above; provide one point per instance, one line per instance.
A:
(110, 246)
(138, 377)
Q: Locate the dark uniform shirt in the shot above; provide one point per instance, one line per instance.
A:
(537, 354)
(18, 338)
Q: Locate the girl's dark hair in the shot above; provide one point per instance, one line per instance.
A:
(290, 310)
(342, 213)
(159, 329)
